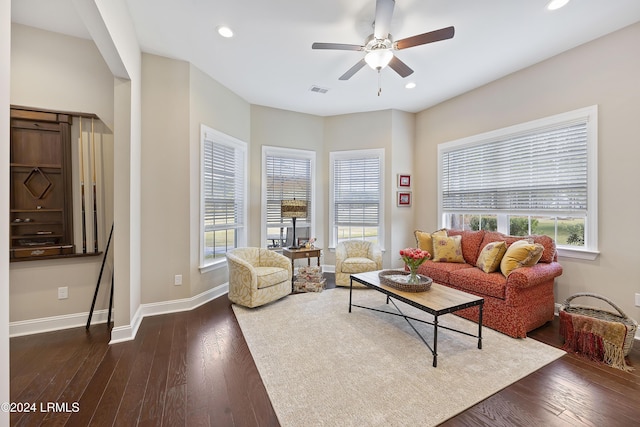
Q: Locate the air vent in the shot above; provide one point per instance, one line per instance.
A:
(318, 89)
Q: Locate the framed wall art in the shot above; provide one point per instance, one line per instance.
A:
(404, 198)
(404, 181)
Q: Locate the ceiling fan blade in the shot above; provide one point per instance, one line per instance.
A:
(353, 70)
(382, 23)
(430, 37)
(400, 67)
(337, 46)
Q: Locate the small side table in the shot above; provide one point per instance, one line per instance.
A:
(301, 253)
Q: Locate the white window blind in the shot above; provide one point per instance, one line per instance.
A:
(288, 177)
(223, 195)
(540, 170)
(223, 186)
(357, 188)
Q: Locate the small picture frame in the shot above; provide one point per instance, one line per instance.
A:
(404, 180)
(404, 198)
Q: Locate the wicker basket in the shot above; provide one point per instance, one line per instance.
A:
(387, 278)
(596, 313)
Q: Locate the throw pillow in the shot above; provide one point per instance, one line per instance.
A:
(424, 240)
(447, 249)
(521, 253)
(491, 256)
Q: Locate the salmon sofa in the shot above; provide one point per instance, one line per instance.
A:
(513, 305)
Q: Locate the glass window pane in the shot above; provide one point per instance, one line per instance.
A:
(481, 222)
(571, 231)
(358, 233)
(519, 225)
(455, 221)
(544, 226)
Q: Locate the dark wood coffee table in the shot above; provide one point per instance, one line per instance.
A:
(438, 300)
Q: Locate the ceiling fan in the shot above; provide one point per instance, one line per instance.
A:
(379, 46)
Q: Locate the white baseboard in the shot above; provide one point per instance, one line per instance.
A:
(128, 332)
(556, 310)
(329, 268)
(120, 333)
(56, 323)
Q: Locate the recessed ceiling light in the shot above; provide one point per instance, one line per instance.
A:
(225, 31)
(556, 4)
(410, 85)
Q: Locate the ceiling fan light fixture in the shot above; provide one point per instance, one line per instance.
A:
(556, 4)
(410, 85)
(379, 58)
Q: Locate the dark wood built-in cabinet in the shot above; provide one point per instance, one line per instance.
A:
(41, 199)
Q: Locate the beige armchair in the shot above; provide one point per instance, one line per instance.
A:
(257, 276)
(356, 256)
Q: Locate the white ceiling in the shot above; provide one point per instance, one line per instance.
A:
(270, 61)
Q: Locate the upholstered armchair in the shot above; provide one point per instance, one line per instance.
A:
(257, 276)
(356, 256)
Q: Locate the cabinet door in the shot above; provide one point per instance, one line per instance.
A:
(41, 215)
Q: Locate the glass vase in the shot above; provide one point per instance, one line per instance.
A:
(413, 277)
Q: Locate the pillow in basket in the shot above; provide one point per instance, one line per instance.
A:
(491, 256)
(521, 253)
(447, 249)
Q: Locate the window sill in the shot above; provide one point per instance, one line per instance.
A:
(212, 267)
(578, 254)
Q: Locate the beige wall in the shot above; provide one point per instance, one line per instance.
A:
(605, 72)
(5, 87)
(164, 200)
(177, 99)
(58, 72)
(217, 107)
(394, 131)
(287, 129)
(360, 131)
(399, 220)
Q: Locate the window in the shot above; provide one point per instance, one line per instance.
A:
(536, 178)
(357, 195)
(223, 205)
(286, 175)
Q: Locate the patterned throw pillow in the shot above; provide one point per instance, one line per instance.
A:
(424, 240)
(491, 256)
(447, 249)
(521, 253)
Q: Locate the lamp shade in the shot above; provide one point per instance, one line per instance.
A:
(378, 58)
(293, 208)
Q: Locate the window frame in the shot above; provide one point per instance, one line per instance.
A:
(590, 250)
(378, 153)
(287, 153)
(217, 137)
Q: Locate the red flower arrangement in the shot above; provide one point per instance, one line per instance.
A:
(413, 257)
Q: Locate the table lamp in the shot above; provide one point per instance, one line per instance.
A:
(293, 209)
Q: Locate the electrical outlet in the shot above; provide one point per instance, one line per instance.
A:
(63, 292)
(177, 280)
(637, 300)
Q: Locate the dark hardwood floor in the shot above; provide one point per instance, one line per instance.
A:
(194, 369)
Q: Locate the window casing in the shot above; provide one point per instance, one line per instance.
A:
(223, 195)
(286, 174)
(356, 198)
(539, 177)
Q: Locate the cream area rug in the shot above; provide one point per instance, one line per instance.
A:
(324, 366)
